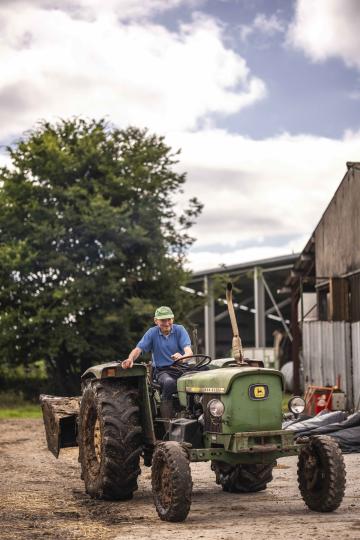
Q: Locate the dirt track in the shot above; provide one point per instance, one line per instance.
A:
(42, 497)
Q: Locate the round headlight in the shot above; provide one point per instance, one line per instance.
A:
(216, 408)
(296, 405)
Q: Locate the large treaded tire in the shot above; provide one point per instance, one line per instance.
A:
(109, 439)
(171, 481)
(321, 474)
(242, 478)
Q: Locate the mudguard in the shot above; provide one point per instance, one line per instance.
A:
(60, 413)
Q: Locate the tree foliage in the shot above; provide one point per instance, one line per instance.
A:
(90, 243)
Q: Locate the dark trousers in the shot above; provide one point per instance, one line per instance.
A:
(167, 378)
(167, 383)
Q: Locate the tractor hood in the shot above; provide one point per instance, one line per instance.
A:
(219, 381)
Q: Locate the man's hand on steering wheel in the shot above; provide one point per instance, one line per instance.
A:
(200, 360)
(177, 357)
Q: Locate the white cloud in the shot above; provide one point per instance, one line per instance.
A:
(204, 260)
(55, 65)
(262, 197)
(268, 25)
(262, 24)
(326, 29)
(92, 9)
(267, 195)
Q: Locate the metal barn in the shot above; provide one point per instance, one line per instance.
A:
(325, 287)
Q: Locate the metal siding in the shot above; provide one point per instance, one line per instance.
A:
(355, 341)
(306, 363)
(316, 354)
(327, 353)
(354, 282)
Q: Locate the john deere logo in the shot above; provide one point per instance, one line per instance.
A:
(258, 391)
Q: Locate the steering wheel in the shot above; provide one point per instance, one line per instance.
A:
(204, 360)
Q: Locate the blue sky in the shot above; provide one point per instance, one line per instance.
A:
(262, 97)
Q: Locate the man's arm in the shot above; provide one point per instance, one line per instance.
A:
(184, 343)
(144, 345)
(129, 362)
(187, 352)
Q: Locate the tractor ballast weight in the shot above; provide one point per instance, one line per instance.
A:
(230, 415)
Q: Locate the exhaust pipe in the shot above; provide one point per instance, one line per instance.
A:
(237, 349)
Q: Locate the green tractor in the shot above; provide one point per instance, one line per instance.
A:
(230, 415)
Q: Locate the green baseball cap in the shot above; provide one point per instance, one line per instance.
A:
(164, 312)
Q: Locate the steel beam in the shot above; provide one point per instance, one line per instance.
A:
(259, 298)
(209, 318)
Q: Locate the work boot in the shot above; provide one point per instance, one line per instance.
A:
(167, 409)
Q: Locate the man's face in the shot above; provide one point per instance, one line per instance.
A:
(165, 325)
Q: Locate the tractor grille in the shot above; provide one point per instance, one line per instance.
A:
(211, 424)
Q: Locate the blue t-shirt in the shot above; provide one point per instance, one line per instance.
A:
(162, 347)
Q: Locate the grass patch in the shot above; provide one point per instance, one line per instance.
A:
(29, 411)
(15, 406)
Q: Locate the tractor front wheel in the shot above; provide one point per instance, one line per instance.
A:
(242, 478)
(171, 481)
(109, 438)
(321, 474)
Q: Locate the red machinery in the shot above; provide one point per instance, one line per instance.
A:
(319, 398)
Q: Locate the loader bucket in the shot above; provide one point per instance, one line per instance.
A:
(60, 420)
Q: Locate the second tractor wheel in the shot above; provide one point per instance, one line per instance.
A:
(321, 474)
(242, 478)
(109, 439)
(171, 481)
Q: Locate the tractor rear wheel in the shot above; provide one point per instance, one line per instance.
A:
(321, 474)
(109, 439)
(171, 481)
(242, 478)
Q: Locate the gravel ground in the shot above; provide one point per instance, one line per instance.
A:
(41, 497)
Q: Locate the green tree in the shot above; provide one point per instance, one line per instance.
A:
(90, 244)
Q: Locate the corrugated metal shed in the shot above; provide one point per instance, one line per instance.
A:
(327, 354)
(355, 346)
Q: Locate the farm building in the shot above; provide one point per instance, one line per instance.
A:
(263, 315)
(325, 286)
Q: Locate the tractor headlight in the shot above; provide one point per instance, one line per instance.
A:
(216, 408)
(296, 405)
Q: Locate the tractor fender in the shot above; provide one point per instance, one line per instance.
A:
(139, 375)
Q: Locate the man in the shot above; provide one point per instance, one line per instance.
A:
(168, 342)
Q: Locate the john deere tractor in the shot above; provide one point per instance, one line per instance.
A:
(229, 414)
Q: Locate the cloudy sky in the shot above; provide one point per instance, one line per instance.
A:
(262, 96)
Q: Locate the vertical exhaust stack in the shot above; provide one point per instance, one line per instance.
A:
(236, 340)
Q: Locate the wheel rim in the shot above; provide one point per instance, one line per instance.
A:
(92, 444)
(165, 487)
(313, 472)
(97, 440)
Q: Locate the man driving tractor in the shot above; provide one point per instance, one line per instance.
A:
(169, 343)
